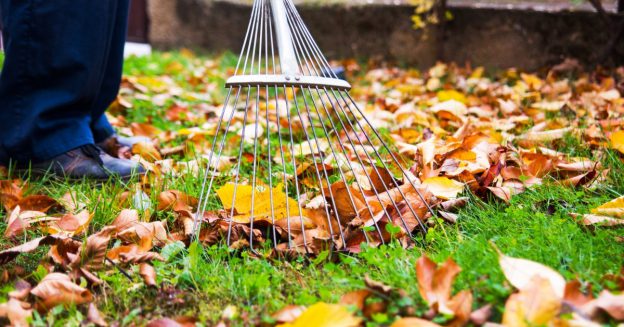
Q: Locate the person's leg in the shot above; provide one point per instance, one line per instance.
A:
(111, 78)
(55, 55)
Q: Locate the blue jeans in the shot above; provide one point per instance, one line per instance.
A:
(62, 69)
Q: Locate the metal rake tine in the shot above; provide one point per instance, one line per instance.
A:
(268, 131)
(299, 42)
(331, 232)
(421, 223)
(247, 33)
(296, 44)
(393, 157)
(374, 167)
(238, 164)
(354, 173)
(331, 195)
(310, 41)
(367, 175)
(343, 177)
(250, 48)
(255, 160)
(281, 147)
(196, 227)
(294, 162)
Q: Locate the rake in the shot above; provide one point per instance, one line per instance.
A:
(309, 169)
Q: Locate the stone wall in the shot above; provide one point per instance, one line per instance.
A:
(491, 37)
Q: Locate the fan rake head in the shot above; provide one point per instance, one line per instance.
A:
(309, 170)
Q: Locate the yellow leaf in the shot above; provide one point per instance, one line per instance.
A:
(521, 274)
(613, 208)
(443, 187)
(245, 197)
(446, 95)
(325, 315)
(537, 305)
(617, 141)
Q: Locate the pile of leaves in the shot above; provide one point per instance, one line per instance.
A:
(453, 128)
(458, 131)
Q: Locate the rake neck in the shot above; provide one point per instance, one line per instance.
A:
(288, 59)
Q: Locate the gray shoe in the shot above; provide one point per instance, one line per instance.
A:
(87, 161)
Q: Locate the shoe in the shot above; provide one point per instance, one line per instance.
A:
(87, 161)
(120, 146)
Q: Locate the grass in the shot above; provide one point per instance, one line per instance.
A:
(202, 281)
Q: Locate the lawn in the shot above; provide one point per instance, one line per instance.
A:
(180, 92)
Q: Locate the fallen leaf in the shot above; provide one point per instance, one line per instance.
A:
(443, 187)
(325, 315)
(521, 272)
(9, 254)
(537, 304)
(17, 312)
(58, 289)
(434, 283)
(613, 208)
(148, 273)
(288, 313)
(413, 322)
(94, 316)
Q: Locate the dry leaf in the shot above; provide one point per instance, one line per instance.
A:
(148, 273)
(325, 315)
(413, 322)
(58, 289)
(9, 254)
(521, 272)
(537, 304)
(288, 314)
(613, 208)
(94, 316)
(17, 312)
(443, 187)
(434, 283)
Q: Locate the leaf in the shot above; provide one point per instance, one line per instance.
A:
(10, 193)
(17, 312)
(19, 221)
(356, 298)
(613, 208)
(434, 283)
(443, 187)
(617, 141)
(148, 273)
(92, 254)
(446, 95)
(288, 313)
(176, 201)
(521, 272)
(537, 304)
(58, 289)
(9, 254)
(266, 203)
(126, 219)
(325, 315)
(41, 203)
(607, 302)
(94, 316)
(147, 151)
(597, 220)
(413, 322)
(481, 315)
(71, 224)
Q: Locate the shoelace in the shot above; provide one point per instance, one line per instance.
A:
(93, 152)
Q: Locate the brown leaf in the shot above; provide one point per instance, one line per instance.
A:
(58, 289)
(126, 219)
(607, 302)
(434, 283)
(147, 151)
(17, 312)
(11, 192)
(288, 313)
(481, 315)
(356, 298)
(72, 224)
(92, 254)
(9, 254)
(176, 200)
(94, 316)
(574, 296)
(155, 231)
(461, 306)
(413, 322)
(41, 203)
(148, 273)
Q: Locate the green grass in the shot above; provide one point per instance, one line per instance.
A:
(202, 281)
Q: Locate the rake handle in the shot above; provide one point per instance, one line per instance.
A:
(286, 48)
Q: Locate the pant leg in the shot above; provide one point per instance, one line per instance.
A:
(111, 78)
(55, 55)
